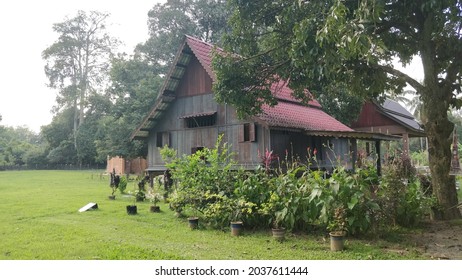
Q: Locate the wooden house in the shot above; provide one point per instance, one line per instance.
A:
(186, 117)
(389, 118)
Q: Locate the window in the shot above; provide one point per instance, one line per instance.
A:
(247, 133)
(200, 120)
(197, 149)
(162, 139)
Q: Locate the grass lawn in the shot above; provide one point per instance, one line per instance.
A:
(39, 220)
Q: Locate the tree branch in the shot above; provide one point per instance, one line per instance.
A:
(392, 71)
(452, 71)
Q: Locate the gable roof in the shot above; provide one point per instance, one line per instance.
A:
(288, 113)
(395, 111)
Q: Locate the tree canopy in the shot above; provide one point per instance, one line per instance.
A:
(168, 23)
(349, 44)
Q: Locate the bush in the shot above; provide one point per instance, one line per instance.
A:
(208, 184)
(350, 192)
(197, 176)
(404, 197)
(122, 184)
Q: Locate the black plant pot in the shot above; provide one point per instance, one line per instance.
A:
(193, 222)
(132, 210)
(155, 209)
(236, 228)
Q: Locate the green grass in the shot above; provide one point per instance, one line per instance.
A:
(39, 219)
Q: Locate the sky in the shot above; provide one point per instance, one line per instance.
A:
(26, 30)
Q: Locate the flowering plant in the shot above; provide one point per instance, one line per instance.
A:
(154, 197)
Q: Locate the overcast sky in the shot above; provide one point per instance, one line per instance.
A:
(26, 30)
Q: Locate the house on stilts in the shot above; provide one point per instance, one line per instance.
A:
(187, 118)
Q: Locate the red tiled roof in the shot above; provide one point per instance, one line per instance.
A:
(291, 115)
(282, 91)
(289, 112)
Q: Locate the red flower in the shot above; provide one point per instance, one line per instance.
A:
(315, 151)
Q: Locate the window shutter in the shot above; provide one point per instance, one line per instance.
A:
(166, 138)
(252, 132)
(241, 133)
(159, 139)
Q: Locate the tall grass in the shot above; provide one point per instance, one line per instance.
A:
(39, 219)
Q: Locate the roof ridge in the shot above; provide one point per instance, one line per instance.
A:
(199, 40)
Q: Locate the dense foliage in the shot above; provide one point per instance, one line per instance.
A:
(209, 185)
(20, 146)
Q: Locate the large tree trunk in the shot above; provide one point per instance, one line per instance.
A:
(436, 97)
(439, 130)
(76, 124)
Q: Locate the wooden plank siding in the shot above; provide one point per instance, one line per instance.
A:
(195, 80)
(370, 116)
(371, 120)
(183, 139)
(194, 95)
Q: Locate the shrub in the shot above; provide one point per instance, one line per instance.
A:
(122, 184)
(207, 182)
(350, 192)
(208, 171)
(403, 199)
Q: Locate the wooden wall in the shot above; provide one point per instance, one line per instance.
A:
(183, 139)
(370, 116)
(195, 80)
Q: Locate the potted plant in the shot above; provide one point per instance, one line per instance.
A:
(237, 209)
(193, 220)
(338, 229)
(194, 204)
(278, 230)
(155, 198)
(140, 194)
(132, 209)
(276, 210)
(115, 181)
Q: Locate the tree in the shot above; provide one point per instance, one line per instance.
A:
(77, 62)
(170, 21)
(17, 144)
(341, 104)
(58, 134)
(134, 86)
(319, 44)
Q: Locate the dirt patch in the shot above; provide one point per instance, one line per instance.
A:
(440, 240)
